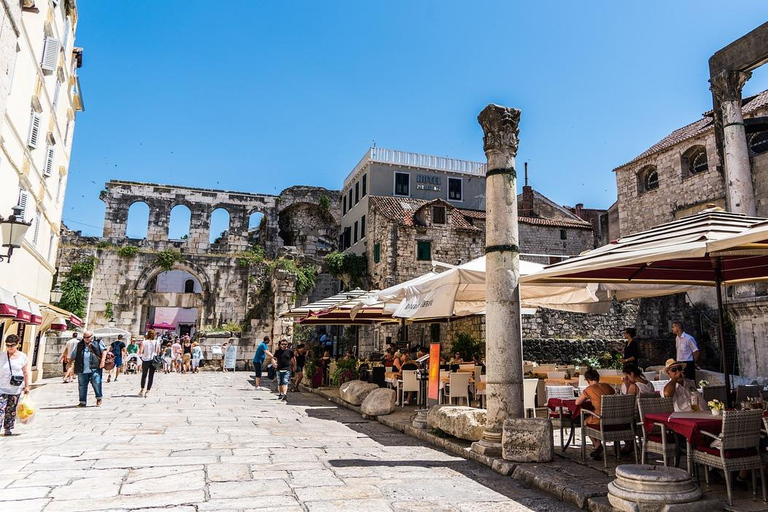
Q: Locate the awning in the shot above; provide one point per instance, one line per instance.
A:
(49, 315)
(7, 304)
(37, 315)
(23, 310)
(75, 320)
(58, 324)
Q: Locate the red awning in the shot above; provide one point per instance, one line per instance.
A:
(75, 320)
(37, 316)
(23, 310)
(7, 304)
(59, 324)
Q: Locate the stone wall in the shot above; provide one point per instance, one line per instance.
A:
(568, 241)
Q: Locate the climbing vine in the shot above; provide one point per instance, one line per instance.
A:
(73, 289)
(128, 251)
(350, 268)
(305, 274)
(167, 259)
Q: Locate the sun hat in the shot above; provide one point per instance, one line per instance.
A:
(671, 362)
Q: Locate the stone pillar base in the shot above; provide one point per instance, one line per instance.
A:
(528, 440)
(489, 445)
(420, 420)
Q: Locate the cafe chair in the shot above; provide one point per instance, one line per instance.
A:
(655, 441)
(458, 387)
(560, 392)
(714, 393)
(558, 420)
(481, 392)
(736, 448)
(617, 423)
(744, 392)
(529, 396)
(409, 383)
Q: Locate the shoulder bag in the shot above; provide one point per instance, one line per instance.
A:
(16, 380)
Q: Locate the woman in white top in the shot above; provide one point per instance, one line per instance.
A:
(148, 349)
(13, 368)
(636, 382)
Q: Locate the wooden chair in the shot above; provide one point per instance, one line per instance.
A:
(714, 393)
(617, 423)
(655, 441)
(738, 448)
(458, 387)
(529, 396)
(744, 392)
(409, 383)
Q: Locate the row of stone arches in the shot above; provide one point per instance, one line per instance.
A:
(137, 222)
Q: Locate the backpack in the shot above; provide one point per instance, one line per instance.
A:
(109, 362)
(271, 372)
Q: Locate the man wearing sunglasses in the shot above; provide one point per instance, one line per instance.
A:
(90, 355)
(284, 360)
(685, 397)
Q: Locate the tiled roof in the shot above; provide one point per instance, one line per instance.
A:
(403, 209)
(749, 106)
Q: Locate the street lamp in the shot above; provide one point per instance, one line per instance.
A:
(12, 231)
(56, 294)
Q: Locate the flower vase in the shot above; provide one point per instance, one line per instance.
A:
(717, 412)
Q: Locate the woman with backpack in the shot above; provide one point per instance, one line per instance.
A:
(118, 351)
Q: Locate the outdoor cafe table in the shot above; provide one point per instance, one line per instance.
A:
(690, 425)
(560, 405)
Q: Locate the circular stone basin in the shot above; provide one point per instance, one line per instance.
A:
(645, 483)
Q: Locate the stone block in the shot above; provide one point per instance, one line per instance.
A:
(462, 422)
(355, 391)
(527, 440)
(379, 402)
(649, 488)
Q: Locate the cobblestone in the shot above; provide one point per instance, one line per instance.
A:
(211, 442)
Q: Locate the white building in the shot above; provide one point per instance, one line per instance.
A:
(41, 95)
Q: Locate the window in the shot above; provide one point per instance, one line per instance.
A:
(59, 187)
(50, 152)
(50, 55)
(24, 204)
(56, 92)
(347, 238)
(344, 205)
(189, 286)
(648, 179)
(38, 221)
(349, 202)
(454, 189)
(51, 246)
(362, 227)
(402, 184)
(34, 129)
(376, 252)
(438, 215)
(354, 236)
(563, 234)
(357, 192)
(424, 250)
(365, 185)
(758, 142)
(694, 161)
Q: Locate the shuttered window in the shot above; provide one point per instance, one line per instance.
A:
(365, 185)
(38, 221)
(50, 54)
(56, 92)
(50, 152)
(24, 204)
(424, 250)
(438, 215)
(362, 227)
(34, 129)
(376, 253)
(354, 236)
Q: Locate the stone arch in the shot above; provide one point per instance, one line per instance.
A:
(219, 225)
(137, 216)
(647, 179)
(180, 222)
(150, 273)
(694, 161)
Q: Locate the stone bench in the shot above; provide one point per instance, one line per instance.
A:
(462, 422)
(355, 391)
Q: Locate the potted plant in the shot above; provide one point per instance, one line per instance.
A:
(716, 406)
(313, 373)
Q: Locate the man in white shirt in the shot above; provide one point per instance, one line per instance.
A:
(682, 391)
(687, 350)
(69, 357)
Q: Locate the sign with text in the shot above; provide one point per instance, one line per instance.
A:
(230, 357)
(434, 374)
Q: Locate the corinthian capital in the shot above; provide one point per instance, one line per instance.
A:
(500, 129)
(727, 84)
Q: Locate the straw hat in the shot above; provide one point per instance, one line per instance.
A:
(672, 362)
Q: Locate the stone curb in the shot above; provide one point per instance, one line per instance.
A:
(539, 476)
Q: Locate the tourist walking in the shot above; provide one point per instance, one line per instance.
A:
(301, 359)
(119, 350)
(167, 357)
(285, 362)
(261, 354)
(186, 358)
(90, 356)
(69, 349)
(148, 350)
(13, 378)
(176, 355)
(197, 356)
(687, 350)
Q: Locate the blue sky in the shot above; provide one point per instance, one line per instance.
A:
(258, 96)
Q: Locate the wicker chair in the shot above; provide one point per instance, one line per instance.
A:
(617, 423)
(738, 450)
(655, 441)
(764, 452)
(714, 393)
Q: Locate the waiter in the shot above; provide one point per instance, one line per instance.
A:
(687, 350)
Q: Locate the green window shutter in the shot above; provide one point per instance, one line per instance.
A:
(423, 251)
(376, 253)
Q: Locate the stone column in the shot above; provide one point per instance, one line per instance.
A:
(740, 193)
(504, 346)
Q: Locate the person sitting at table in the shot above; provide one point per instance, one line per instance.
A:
(636, 383)
(593, 392)
(397, 362)
(389, 359)
(682, 391)
(456, 359)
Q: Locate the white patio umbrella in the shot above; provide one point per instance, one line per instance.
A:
(111, 332)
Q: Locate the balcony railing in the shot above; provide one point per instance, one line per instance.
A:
(404, 158)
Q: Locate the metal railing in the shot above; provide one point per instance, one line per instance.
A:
(404, 158)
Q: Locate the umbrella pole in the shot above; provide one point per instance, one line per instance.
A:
(716, 263)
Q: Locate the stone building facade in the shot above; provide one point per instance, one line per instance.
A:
(681, 175)
(230, 284)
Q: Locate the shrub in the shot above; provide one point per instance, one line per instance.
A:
(350, 268)
(346, 370)
(128, 251)
(466, 345)
(167, 259)
(253, 256)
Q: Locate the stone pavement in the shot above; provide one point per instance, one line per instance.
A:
(211, 442)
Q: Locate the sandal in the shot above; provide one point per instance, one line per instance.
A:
(597, 452)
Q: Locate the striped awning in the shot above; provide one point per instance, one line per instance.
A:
(347, 308)
(8, 306)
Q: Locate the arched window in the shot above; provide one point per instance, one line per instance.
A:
(178, 226)
(758, 142)
(219, 226)
(648, 179)
(189, 286)
(138, 220)
(694, 161)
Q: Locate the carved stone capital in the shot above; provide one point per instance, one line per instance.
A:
(727, 84)
(500, 129)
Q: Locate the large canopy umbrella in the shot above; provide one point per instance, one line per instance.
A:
(711, 248)
(111, 332)
(346, 308)
(460, 291)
